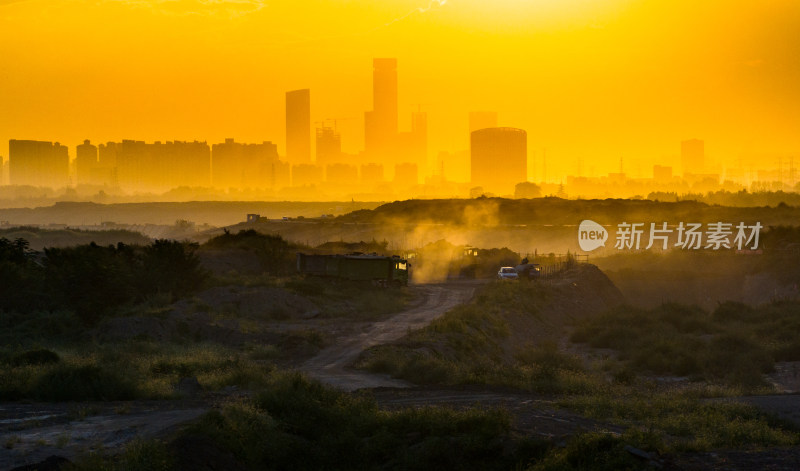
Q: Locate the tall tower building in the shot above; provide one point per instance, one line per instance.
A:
(380, 124)
(85, 162)
(298, 126)
(693, 156)
(499, 158)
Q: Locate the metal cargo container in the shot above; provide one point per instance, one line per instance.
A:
(358, 267)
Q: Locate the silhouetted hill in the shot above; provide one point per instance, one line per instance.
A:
(557, 211)
(216, 213)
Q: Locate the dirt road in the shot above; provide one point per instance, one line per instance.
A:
(332, 364)
(29, 433)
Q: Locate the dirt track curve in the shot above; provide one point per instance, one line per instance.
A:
(332, 364)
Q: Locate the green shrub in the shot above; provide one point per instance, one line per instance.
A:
(275, 254)
(591, 452)
(36, 357)
(169, 266)
(733, 311)
(82, 383)
(735, 345)
(680, 422)
(138, 455)
(301, 424)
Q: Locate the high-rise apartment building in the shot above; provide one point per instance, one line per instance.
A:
(498, 158)
(38, 163)
(238, 165)
(298, 126)
(86, 163)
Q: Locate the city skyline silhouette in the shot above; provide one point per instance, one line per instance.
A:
(590, 83)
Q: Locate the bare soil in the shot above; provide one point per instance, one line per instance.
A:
(29, 433)
(333, 364)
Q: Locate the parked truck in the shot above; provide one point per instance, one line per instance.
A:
(378, 269)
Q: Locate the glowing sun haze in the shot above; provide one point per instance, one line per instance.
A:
(588, 80)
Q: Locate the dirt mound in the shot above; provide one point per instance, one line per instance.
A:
(215, 314)
(579, 292)
(258, 302)
(584, 290)
(764, 287)
(230, 261)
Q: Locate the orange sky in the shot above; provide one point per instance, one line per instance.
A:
(592, 81)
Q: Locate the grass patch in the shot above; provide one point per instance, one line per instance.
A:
(350, 299)
(138, 455)
(301, 424)
(466, 346)
(672, 421)
(133, 370)
(591, 452)
(733, 345)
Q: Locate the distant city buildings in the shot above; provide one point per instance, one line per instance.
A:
(498, 158)
(392, 164)
(380, 124)
(158, 166)
(413, 146)
(662, 174)
(342, 174)
(306, 175)
(693, 156)
(406, 174)
(86, 163)
(372, 173)
(237, 165)
(38, 163)
(298, 126)
(329, 146)
(382, 140)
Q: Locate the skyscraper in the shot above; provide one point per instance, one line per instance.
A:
(85, 162)
(298, 126)
(499, 158)
(380, 124)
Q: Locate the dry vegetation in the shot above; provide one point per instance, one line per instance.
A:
(188, 311)
(722, 353)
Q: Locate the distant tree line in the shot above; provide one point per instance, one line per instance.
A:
(93, 280)
(741, 198)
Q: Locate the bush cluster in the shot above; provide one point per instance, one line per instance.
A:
(276, 255)
(91, 280)
(301, 424)
(735, 343)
